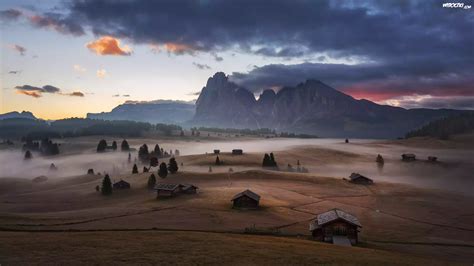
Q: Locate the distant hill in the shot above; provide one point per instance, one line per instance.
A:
(161, 111)
(15, 114)
(311, 107)
(445, 127)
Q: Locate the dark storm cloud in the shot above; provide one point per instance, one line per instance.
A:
(381, 31)
(201, 66)
(371, 81)
(18, 48)
(57, 22)
(37, 92)
(49, 20)
(397, 47)
(10, 14)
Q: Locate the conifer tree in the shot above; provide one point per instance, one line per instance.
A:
(151, 181)
(163, 171)
(157, 151)
(114, 145)
(173, 166)
(125, 146)
(102, 145)
(266, 160)
(143, 153)
(218, 161)
(153, 161)
(106, 186)
(28, 155)
(135, 169)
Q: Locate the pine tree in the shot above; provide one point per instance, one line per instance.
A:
(163, 171)
(106, 186)
(129, 158)
(151, 181)
(272, 160)
(102, 145)
(266, 160)
(153, 161)
(125, 146)
(143, 153)
(172, 166)
(135, 169)
(28, 155)
(114, 145)
(157, 151)
(218, 161)
(145, 170)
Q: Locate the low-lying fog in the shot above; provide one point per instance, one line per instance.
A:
(78, 155)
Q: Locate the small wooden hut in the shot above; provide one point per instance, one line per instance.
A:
(167, 190)
(121, 185)
(188, 189)
(334, 225)
(237, 152)
(246, 200)
(408, 157)
(360, 179)
(217, 151)
(433, 159)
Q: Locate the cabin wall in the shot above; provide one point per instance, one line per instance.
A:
(245, 202)
(339, 228)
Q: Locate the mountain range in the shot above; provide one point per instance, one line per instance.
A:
(160, 111)
(15, 114)
(310, 107)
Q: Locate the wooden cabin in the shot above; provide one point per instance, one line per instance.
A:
(360, 179)
(188, 189)
(217, 151)
(121, 185)
(246, 200)
(408, 157)
(237, 152)
(167, 190)
(335, 226)
(433, 159)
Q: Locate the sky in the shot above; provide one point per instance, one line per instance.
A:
(67, 58)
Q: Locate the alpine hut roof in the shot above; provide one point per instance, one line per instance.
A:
(247, 193)
(166, 186)
(333, 215)
(355, 176)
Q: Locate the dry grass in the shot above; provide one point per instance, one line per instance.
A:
(184, 248)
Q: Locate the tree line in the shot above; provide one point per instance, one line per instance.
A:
(445, 127)
(29, 129)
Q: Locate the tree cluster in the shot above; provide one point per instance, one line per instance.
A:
(445, 127)
(269, 160)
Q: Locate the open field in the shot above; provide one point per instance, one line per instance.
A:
(400, 216)
(186, 248)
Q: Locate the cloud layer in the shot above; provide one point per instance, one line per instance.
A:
(38, 92)
(395, 49)
(108, 45)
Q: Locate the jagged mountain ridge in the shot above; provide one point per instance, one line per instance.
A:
(311, 107)
(15, 114)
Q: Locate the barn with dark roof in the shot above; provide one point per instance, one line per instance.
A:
(360, 179)
(335, 226)
(121, 185)
(246, 200)
(167, 190)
